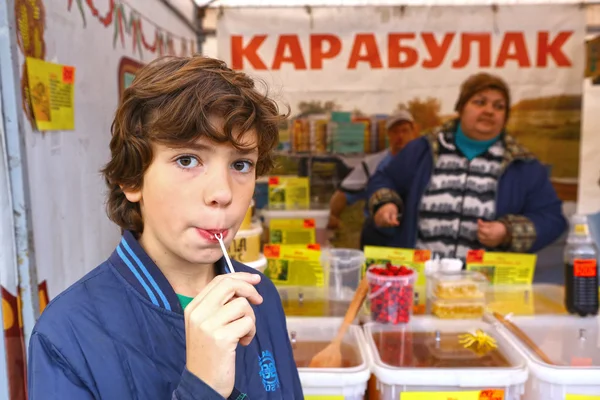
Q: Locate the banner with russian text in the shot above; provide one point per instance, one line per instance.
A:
(372, 61)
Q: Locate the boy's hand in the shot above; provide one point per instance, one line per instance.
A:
(217, 320)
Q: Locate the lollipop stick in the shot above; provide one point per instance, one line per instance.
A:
(219, 237)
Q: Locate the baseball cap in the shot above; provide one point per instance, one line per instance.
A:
(400, 116)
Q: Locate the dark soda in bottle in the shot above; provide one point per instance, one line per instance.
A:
(581, 269)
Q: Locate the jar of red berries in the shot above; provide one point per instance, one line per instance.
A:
(391, 291)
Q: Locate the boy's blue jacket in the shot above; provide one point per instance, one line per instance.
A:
(119, 334)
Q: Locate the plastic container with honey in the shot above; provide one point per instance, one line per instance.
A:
(426, 356)
(457, 309)
(571, 343)
(247, 222)
(245, 246)
(308, 301)
(311, 335)
(457, 294)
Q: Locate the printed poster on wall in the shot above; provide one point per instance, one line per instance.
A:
(375, 60)
(52, 94)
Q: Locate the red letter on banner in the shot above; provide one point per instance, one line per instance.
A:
(317, 54)
(437, 52)
(395, 50)
(238, 52)
(295, 57)
(546, 48)
(520, 50)
(484, 41)
(372, 52)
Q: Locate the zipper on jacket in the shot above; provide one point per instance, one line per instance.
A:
(462, 206)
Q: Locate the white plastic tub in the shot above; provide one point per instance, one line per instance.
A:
(393, 381)
(321, 217)
(575, 353)
(349, 383)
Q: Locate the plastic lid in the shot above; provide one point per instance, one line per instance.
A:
(579, 231)
(571, 342)
(476, 377)
(343, 259)
(324, 330)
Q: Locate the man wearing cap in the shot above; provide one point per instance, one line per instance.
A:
(468, 185)
(400, 130)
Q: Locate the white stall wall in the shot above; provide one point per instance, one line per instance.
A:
(72, 234)
(589, 159)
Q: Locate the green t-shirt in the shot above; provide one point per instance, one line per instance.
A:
(184, 300)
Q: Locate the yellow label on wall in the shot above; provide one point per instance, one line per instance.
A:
(503, 268)
(582, 397)
(292, 231)
(289, 192)
(493, 394)
(52, 94)
(294, 265)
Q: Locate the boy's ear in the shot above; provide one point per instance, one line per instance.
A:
(133, 195)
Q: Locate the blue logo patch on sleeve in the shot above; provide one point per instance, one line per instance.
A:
(268, 371)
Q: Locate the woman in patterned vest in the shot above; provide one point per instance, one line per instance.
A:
(469, 184)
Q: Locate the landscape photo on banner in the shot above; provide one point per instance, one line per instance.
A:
(373, 61)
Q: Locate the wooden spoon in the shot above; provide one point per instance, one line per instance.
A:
(523, 336)
(331, 356)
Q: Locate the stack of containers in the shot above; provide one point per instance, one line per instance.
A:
(311, 335)
(457, 295)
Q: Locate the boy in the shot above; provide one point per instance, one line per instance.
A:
(160, 319)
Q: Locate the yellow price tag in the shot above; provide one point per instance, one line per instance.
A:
(294, 265)
(292, 231)
(491, 394)
(503, 268)
(289, 192)
(582, 397)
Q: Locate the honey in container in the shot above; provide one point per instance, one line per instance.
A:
(310, 302)
(445, 356)
(309, 336)
(432, 350)
(305, 351)
(457, 295)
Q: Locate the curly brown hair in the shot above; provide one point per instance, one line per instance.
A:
(170, 102)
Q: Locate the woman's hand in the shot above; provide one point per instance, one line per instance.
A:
(491, 234)
(387, 216)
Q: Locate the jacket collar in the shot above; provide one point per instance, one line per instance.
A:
(138, 269)
(514, 151)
